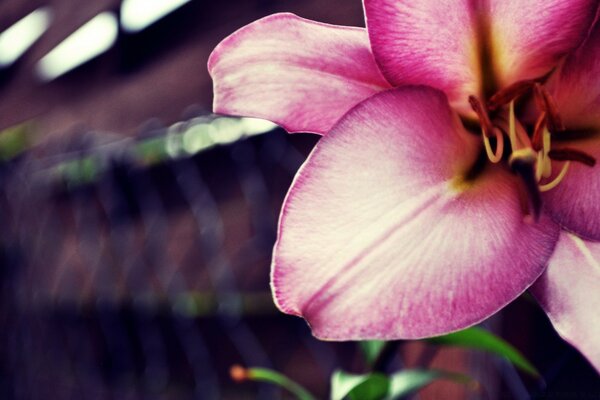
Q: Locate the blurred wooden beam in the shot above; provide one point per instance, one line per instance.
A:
(107, 94)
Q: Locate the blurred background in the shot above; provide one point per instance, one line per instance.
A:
(137, 227)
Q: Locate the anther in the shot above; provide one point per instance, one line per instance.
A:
(482, 114)
(510, 93)
(566, 154)
(547, 105)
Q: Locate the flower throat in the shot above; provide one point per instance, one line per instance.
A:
(529, 154)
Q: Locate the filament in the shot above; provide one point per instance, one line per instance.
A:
(493, 156)
(557, 180)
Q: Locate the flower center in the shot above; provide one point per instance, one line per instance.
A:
(529, 154)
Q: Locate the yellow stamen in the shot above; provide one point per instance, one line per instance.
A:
(546, 140)
(543, 167)
(557, 180)
(546, 165)
(512, 130)
(496, 156)
(539, 166)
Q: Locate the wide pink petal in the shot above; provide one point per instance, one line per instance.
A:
(431, 42)
(574, 203)
(569, 291)
(381, 237)
(528, 38)
(576, 88)
(301, 74)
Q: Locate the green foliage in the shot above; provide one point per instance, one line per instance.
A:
(481, 339)
(274, 377)
(371, 349)
(14, 141)
(410, 380)
(376, 386)
(373, 386)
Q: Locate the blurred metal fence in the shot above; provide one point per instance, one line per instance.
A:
(130, 267)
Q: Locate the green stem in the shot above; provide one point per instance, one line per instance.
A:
(267, 375)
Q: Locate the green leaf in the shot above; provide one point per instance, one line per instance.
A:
(481, 339)
(274, 377)
(15, 140)
(371, 349)
(359, 387)
(410, 380)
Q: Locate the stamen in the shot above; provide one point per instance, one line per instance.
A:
(539, 166)
(567, 154)
(536, 141)
(482, 113)
(546, 165)
(509, 94)
(512, 134)
(547, 105)
(496, 156)
(557, 180)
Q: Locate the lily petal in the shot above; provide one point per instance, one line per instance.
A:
(569, 293)
(576, 91)
(574, 203)
(430, 42)
(301, 74)
(528, 38)
(382, 237)
(575, 86)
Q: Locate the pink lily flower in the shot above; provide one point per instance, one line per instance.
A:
(455, 170)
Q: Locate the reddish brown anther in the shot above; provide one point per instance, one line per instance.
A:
(566, 154)
(510, 93)
(482, 113)
(547, 105)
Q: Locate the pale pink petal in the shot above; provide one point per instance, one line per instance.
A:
(381, 237)
(569, 291)
(301, 74)
(431, 42)
(528, 38)
(576, 88)
(574, 203)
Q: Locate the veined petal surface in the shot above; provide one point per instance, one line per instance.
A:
(574, 203)
(381, 237)
(569, 292)
(528, 38)
(430, 42)
(300, 74)
(575, 86)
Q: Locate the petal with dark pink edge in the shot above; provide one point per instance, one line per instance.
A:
(569, 292)
(574, 202)
(301, 74)
(575, 86)
(381, 236)
(528, 38)
(430, 42)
